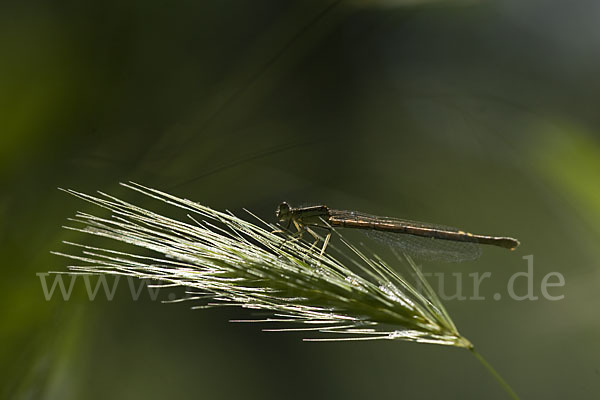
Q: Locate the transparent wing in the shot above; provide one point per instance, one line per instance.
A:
(421, 247)
(388, 220)
(429, 249)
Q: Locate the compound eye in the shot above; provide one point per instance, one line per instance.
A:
(283, 210)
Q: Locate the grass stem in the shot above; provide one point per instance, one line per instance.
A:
(495, 374)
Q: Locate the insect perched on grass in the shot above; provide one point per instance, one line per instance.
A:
(222, 260)
(424, 240)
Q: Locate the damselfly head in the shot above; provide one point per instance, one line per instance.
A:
(283, 212)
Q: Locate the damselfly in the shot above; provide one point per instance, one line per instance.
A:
(425, 240)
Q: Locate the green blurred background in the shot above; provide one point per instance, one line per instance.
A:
(478, 115)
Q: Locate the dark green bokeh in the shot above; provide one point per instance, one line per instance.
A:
(483, 116)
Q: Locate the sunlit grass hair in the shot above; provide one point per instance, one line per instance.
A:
(227, 261)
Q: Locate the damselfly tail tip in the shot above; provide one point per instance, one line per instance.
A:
(505, 242)
(512, 243)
